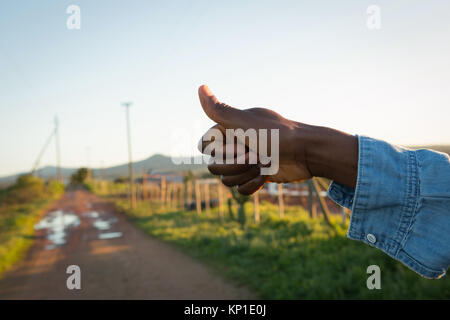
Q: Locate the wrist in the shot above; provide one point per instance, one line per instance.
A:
(330, 153)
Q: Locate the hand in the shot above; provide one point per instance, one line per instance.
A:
(292, 161)
(304, 150)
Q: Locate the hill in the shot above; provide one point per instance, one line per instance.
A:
(157, 163)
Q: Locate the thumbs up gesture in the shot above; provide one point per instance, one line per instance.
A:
(248, 175)
(297, 151)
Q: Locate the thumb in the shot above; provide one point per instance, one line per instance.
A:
(219, 112)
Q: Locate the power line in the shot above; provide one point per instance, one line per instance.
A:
(41, 153)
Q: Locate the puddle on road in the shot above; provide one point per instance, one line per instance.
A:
(109, 235)
(103, 224)
(92, 214)
(57, 222)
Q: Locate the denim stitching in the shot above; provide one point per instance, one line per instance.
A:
(409, 203)
(416, 206)
(353, 217)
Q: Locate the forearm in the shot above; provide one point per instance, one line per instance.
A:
(331, 154)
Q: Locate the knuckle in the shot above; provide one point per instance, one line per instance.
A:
(213, 169)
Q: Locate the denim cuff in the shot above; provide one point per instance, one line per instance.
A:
(384, 202)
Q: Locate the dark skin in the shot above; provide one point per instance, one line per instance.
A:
(305, 151)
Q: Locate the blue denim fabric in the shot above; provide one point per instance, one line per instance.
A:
(401, 204)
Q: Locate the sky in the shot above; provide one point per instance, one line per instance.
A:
(315, 62)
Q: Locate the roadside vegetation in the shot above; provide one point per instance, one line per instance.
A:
(20, 206)
(294, 257)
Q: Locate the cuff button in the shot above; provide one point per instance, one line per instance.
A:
(371, 238)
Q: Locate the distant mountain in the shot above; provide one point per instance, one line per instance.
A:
(157, 163)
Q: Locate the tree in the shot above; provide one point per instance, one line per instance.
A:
(80, 176)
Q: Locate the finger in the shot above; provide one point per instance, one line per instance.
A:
(228, 169)
(233, 154)
(252, 186)
(219, 112)
(234, 157)
(238, 179)
(214, 134)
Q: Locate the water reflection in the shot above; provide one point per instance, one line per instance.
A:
(109, 235)
(103, 223)
(57, 223)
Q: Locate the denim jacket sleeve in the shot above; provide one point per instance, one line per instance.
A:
(401, 204)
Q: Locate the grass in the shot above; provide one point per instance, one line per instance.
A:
(291, 258)
(17, 224)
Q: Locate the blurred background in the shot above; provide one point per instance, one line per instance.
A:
(98, 98)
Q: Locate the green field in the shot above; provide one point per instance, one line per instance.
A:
(20, 207)
(295, 257)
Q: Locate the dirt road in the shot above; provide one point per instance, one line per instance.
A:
(117, 261)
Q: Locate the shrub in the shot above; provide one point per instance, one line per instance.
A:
(26, 189)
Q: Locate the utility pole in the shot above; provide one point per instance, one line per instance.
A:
(58, 156)
(90, 171)
(130, 161)
(102, 170)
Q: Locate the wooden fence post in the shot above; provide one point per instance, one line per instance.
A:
(176, 195)
(179, 193)
(189, 192)
(169, 187)
(207, 200)
(198, 200)
(312, 207)
(156, 192)
(220, 196)
(256, 206)
(144, 187)
(343, 215)
(280, 200)
(163, 190)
